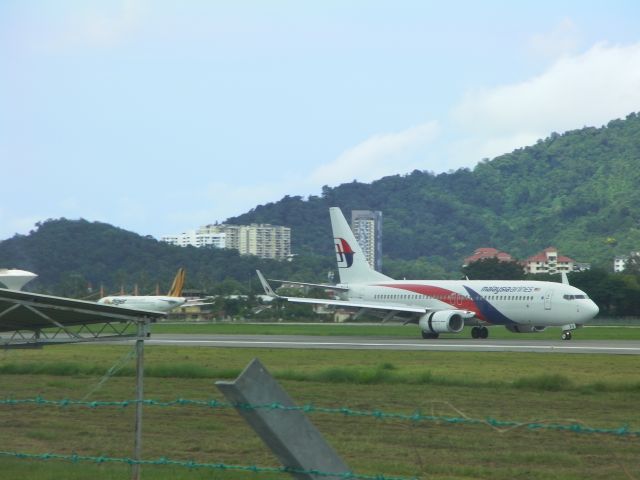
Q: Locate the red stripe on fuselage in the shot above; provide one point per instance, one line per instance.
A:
(457, 301)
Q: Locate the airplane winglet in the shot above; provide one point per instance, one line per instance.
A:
(565, 279)
(267, 288)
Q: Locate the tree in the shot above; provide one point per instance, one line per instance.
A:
(493, 269)
(632, 267)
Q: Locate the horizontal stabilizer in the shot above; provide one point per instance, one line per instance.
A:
(326, 286)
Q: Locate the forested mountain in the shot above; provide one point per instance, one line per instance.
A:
(577, 191)
(70, 256)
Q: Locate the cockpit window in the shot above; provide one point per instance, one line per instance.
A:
(574, 297)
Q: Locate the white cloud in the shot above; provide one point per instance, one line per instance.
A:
(564, 39)
(379, 155)
(101, 28)
(102, 25)
(587, 89)
(220, 200)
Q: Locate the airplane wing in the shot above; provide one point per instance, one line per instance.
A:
(387, 307)
(269, 291)
(318, 285)
(22, 312)
(197, 302)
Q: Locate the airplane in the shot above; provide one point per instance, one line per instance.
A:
(154, 303)
(446, 306)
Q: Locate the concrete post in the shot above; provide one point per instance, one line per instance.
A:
(289, 434)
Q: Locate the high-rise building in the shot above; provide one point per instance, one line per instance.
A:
(197, 238)
(263, 240)
(367, 228)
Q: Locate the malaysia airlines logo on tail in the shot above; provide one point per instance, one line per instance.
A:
(344, 253)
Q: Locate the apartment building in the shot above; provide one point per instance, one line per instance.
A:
(196, 238)
(620, 261)
(265, 241)
(549, 261)
(367, 228)
(262, 240)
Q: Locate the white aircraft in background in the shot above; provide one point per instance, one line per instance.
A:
(154, 303)
(445, 306)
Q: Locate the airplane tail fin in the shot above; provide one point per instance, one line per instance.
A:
(178, 284)
(352, 264)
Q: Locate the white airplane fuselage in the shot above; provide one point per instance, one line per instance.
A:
(446, 306)
(155, 303)
(493, 302)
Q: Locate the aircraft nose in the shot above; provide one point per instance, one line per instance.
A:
(591, 309)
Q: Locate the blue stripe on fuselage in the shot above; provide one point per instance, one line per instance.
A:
(490, 313)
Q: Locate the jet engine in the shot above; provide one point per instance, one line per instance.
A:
(443, 321)
(524, 328)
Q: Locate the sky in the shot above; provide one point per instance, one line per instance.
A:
(161, 116)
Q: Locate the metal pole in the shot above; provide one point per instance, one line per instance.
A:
(289, 434)
(137, 448)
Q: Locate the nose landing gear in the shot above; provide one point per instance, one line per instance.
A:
(567, 329)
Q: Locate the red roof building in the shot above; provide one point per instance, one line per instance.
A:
(487, 252)
(548, 261)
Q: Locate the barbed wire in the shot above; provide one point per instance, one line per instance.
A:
(574, 427)
(163, 461)
(117, 366)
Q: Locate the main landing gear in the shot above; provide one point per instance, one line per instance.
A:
(566, 335)
(479, 332)
(429, 335)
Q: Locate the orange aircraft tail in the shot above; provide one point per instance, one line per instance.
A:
(178, 284)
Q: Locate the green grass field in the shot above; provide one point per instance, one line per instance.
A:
(387, 330)
(596, 390)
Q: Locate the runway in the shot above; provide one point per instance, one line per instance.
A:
(610, 347)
